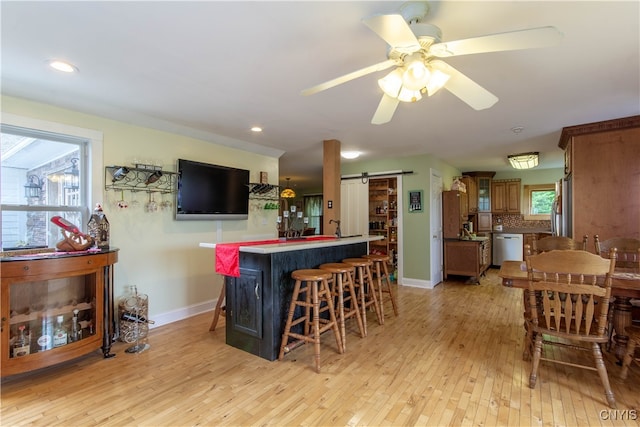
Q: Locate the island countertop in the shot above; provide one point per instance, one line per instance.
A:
(298, 244)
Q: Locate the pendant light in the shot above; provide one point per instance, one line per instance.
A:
(288, 192)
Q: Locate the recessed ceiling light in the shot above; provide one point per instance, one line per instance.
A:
(256, 129)
(350, 154)
(63, 66)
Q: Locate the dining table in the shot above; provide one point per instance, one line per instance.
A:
(625, 286)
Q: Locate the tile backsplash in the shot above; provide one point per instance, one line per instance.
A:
(518, 221)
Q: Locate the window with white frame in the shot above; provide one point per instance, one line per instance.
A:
(42, 174)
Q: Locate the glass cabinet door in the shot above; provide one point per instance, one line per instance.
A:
(484, 194)
(47, 314)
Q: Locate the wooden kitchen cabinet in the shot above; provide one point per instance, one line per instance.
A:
(484, 191)
(455, 212)
(37, 289)
(602, 166)
(505, 196)
(479, 199)
(472, 193)
(466, 257)
(485, 222)
(480, 196)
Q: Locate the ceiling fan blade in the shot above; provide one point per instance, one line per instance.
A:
(464, 88)
(395, 31)
(385, 111)
(351, 76)
(513, 40)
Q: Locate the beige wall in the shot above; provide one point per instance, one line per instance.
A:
(158, 254)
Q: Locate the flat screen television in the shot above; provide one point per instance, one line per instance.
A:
(211, 192)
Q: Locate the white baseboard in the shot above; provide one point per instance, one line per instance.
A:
(417, 283)
(182, 313)
(207, 306)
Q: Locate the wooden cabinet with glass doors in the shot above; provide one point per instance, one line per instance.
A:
(55, 308)
(479, 195)
(383, 217)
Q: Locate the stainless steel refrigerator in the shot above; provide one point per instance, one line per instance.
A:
(561, 209)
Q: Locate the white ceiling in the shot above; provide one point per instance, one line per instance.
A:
(210, 69)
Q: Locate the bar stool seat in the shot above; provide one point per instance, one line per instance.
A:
(344, 289)
(313, 283)
(381, 276)
(633, 332)
(363, 282)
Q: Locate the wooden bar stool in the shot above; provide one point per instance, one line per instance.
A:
(220, 309)
(366, 289)
(313, 283)
(381, 276)
(633, 332)
(341, 284)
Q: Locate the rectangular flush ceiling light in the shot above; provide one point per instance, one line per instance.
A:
(524, 160)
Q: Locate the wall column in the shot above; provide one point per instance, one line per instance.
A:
(330, 184)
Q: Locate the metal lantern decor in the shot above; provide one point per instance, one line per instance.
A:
(72, 176)
(33, 187)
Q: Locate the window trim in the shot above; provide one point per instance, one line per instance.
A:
(91, 149)
(94, 151)
(528, 189)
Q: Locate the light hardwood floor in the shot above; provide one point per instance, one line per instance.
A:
(452, 357)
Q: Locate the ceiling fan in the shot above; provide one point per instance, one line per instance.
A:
(414, 47)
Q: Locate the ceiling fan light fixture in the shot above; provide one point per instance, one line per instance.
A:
(416, 76)
(391, 83)
(408, 95)
(437, 81)
(524, 160)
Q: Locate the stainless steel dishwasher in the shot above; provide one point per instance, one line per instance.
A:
(507, 247)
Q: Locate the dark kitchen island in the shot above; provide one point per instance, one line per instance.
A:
(257, 302)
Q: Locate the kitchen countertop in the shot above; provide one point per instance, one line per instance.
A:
(473, 239)
(293, 245)
(522, 231)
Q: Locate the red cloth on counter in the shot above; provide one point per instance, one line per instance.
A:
(228, 254)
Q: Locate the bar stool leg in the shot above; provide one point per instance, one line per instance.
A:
(287, 327)
(219, 308)
(325, 292)
(354, 298)
(339, 289)
(385, 276)
(359, 280)
(316, 325)
(377, 302)
(378, 281)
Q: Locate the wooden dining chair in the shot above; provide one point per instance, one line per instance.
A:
(575, 288)
(546, 244)
(627, 251)
(627, 261)
(556, 243)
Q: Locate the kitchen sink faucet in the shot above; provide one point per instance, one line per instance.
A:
(338, 232)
